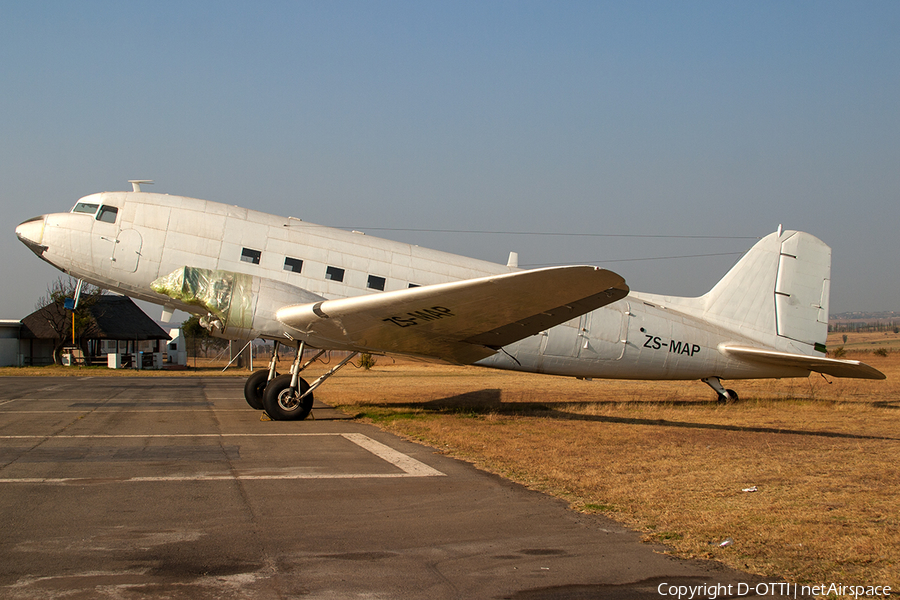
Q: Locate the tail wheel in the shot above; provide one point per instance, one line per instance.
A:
(728, 396)
(255, 387)
(281, 402)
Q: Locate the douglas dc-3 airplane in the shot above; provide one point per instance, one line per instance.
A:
(251, 275)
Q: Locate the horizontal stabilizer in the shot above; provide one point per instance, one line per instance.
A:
(461, 321)
(829, 366)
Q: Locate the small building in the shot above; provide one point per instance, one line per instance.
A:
(9, 343)
(118, 326)
(176, 352)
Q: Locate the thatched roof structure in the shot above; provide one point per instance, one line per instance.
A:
(113, 318)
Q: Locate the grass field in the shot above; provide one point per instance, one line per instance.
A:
(663, 458)
(865, 341)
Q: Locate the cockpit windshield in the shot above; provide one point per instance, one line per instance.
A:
(106, 214)
(86, 207)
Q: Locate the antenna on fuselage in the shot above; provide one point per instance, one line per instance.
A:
(136, 183)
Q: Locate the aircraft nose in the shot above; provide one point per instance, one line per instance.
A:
(31, 233)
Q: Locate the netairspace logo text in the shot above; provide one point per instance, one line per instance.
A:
(790, 590)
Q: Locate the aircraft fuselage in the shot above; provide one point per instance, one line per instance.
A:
(126, 241)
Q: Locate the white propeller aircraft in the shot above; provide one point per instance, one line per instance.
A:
(252, 275)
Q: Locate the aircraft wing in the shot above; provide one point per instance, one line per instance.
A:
(462, 321)
(829, 366)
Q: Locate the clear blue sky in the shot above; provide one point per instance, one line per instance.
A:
(658, 118)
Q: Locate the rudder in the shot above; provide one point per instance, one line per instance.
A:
(802, 289)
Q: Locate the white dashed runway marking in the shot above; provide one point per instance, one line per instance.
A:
(408, 466)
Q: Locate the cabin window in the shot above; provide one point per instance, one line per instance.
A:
(412, 285)
(85, 207)
(251, 256)
(107, 214)
(376, 283)
(294, 265)
(334, 274)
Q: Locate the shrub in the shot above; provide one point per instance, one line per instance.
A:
(366, 361)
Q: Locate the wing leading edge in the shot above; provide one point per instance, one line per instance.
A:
(829, 366)
(462, 321)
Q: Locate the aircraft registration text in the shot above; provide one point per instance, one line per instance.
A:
(420, 316)
(654, 342)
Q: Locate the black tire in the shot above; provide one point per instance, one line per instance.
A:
(731, 397)
(279, 400)
(255, 387)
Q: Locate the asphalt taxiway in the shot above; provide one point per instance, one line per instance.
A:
(173, 488)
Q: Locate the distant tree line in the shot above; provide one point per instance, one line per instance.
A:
(865, 327)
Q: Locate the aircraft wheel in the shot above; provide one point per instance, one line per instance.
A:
(280, 401)
(731, 397)
(255, 387)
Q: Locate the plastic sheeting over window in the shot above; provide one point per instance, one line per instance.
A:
(228, 296)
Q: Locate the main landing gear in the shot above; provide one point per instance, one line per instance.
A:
(286, 397)
(725, 396)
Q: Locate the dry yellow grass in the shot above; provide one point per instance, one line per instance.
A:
(869, 340)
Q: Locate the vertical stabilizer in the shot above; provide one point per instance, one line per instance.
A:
(779, 288)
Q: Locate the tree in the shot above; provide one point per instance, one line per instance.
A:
(60, 319)
(199, 337)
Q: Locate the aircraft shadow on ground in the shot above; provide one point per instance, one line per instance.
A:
(489, 401)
